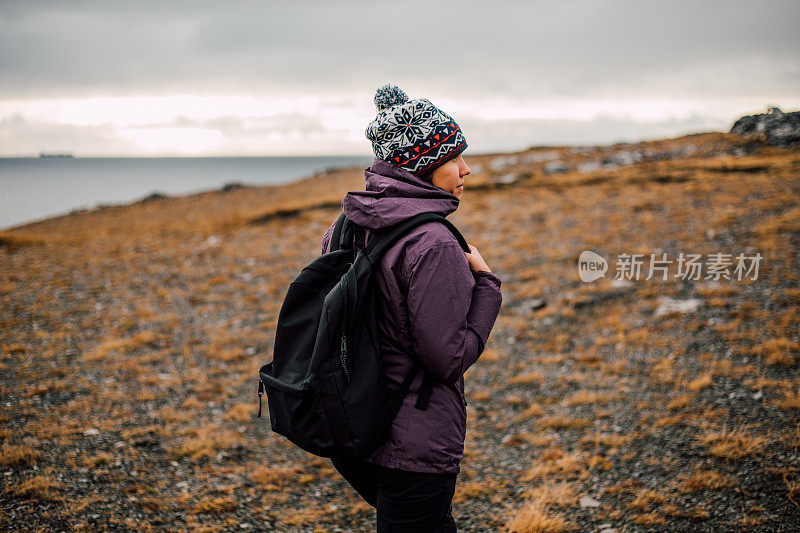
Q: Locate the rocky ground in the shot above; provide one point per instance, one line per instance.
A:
(131, 337)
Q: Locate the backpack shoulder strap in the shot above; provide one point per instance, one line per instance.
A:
(343, 233)
(336, 236)
(375, 249)
(391, 234)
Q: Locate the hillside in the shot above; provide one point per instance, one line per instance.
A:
(132, 335)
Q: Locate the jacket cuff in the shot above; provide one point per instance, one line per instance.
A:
(484, 274)
(486, 301)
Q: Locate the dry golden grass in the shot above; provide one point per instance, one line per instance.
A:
(241, 412)
(120, 346)
(534, 517)
(204, 441)
(663, 369)
(94, 461)
(489, 355)
(527, 378)
(563, 494)
(791, 399)
(650, 519)
(518, 438)
(40, 487)
(703, 479)
(216, 505)
(599, 462)
(513, 399)
(540, 439)
(556, 463)
(700, 382)
(646, 500)
(589, 397)
(670, 420)
(273, 478)
(15, 240)
(680, 401)
(551, 359)
(15, 455)
(562, 422)
(734, 444)
(481, 395)
(15, 349)
(466, 491)
(152, 318)
(747, 523)
(694, 513)
(76, 507)
(360, 507)
(533, 409)
(791, 479)
(308, 515)
(778, 351)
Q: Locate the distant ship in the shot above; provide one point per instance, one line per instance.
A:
(43, 155)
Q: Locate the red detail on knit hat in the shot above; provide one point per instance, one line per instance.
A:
(445, 156)
(452, 125)
(409, 158)
(436, 136)
(397, 159)
(416, 148)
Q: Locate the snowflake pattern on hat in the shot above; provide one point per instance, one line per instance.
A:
(413, 134)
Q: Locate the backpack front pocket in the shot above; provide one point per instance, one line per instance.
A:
(299, 414)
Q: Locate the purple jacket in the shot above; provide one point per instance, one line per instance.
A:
(433, 306)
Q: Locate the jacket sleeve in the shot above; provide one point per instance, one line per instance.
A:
(326, 239)
(451, 310)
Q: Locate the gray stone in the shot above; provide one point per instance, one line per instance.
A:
(779, 128)
(587, 501)
(555, 167)
(669, 305)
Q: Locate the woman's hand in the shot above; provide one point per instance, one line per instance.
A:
(476, 262)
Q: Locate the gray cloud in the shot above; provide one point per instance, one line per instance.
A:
(239, 134)
(22, 137)
(513, 135)
(470, 48)
(469, 51)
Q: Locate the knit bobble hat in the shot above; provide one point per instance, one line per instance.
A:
(414, 135)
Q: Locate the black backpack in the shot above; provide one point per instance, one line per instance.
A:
(326, 388)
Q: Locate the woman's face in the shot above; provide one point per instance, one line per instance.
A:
(450, 176)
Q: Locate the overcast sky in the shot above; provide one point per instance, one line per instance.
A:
(294, 78)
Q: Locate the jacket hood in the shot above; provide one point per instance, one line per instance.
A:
(392, 195)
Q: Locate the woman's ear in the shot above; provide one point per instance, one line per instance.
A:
(427, 176)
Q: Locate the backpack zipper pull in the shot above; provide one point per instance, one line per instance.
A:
(260, 393)
(343, 357)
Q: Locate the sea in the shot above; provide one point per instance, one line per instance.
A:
(34, 188)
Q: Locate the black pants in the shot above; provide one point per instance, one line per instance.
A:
(406, 502)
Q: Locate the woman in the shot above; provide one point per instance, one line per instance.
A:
(438, 304)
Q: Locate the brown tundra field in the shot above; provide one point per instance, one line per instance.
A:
(131, 338)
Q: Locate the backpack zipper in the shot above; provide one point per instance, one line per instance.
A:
(343, 357)
(260, 394)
